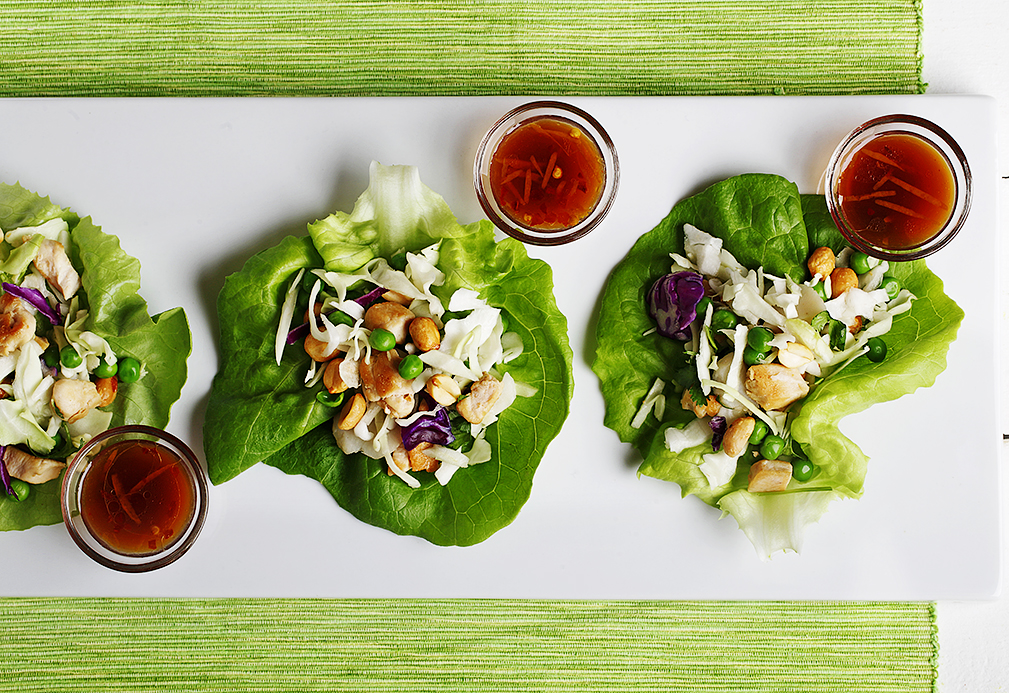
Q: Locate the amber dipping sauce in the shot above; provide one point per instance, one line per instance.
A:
(547, 174)
(897, 192)
(136, 498)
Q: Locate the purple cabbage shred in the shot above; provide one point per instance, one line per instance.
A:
(370, 297)
(718, 428)
(36, 299)
(433, 428)
(5, 477)
(672, 301)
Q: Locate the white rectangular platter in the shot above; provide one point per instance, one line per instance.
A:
(194, 187)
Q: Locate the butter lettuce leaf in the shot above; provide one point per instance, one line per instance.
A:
(261, 412)
(110, 281)
(764, 221)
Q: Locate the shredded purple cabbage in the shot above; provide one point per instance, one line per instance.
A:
(432, 428)
(5, 477)
(34, 297)
(718, 428)
(370, 297)
(673, 300)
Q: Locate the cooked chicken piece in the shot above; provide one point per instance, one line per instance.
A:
(53, 263)
(773, 386)
(73, 398)
(769, 475)
(475, 406)
(399, 406)
(711, 405)
(389, 316)
(380, 376)
(31, 469)
(17, 324)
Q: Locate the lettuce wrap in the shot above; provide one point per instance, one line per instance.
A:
(763, 221)
(110, 282)
(261, 412)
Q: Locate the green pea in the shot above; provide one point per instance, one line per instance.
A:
(105, 369)
(338, 317)
(891, 285)
(753, 357)
(760, 339)
(760, 430)
(723, 319)
(702, 307)
(859, 262)
(20, 488)
(772, 447)
(877, 349)
(69, 357)
(51, 356)
(328, 398)
(129, 370)
(382, 340)
(803, 470)
(410, 367)
(398, 261)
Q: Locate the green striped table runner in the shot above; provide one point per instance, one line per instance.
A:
(432, 47)
(403, 646)
(461, 47)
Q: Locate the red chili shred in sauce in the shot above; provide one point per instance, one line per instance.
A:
(547, 174)
(897, 192)
(136, 498)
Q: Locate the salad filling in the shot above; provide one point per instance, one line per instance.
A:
(415, 381)
(760, 343)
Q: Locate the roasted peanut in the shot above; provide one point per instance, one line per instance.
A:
(397, 297)
(769, 475)
(443, 389)
(421, 462)
(424, 333)
(332, 380)
(821, 262)
(319, 350)
(107, 388)
(795, 355)
(710, 408)
(352, 412)
(842, 279)
(855, 325)
(738, 436)
(390, 316)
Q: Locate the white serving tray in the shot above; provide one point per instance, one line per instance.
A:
(194, 187)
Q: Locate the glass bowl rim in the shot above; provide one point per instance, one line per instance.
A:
(602, 140)
(74, 473)
(930, 132)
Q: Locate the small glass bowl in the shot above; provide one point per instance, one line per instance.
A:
(508, 124)
(941, 142)
(72, 499)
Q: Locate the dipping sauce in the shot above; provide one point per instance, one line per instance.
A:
(547, 174)
(897, 192)
(136, 497)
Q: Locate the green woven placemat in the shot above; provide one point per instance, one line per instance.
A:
(405, 47)
(404, 646)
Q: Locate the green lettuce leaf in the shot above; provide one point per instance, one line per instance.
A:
(261, 412)
(110, 282)
(763, 220)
